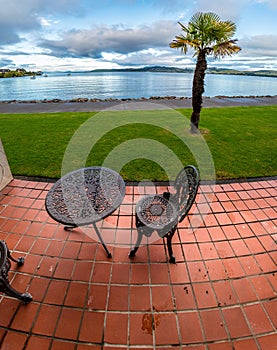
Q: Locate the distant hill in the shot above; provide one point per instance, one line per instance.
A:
(157, 69)
(212, 70)
(261, 73)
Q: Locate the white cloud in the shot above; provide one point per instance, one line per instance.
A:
(259, 45)
(17, 17)
(47, 22)
(48, 63)
(150, 57)
(119, 39)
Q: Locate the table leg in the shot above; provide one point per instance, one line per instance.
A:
(101, 240)
(70, 228)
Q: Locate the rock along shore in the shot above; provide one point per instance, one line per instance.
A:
(154, 102)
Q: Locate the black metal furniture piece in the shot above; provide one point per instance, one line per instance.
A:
(85, 196)
(5, 265)
(162, 213)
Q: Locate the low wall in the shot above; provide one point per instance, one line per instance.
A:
(5, 172)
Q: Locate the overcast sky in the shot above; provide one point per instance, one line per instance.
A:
(90, 34)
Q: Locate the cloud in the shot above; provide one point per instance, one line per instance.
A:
(244, 63)
(231, 9)
(7, 36)
(259, 45)
(271, 3)
(119, 39)
(17, 17)
(148, 57)
(14, 19)
(4, 62)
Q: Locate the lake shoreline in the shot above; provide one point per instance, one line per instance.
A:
(155, 102)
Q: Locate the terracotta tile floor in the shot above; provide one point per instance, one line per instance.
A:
(221, 294)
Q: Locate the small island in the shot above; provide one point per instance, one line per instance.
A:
(19, 72)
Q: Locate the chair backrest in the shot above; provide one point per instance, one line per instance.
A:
(186, 186)
(3, 253)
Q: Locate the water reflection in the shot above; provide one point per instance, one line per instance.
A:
(129, 85)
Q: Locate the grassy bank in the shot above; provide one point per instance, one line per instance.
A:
(242, 141)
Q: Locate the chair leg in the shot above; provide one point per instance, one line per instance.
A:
(136, 247)
(5, 286)
(19, 261)
(7, 289)
(169, 245)
(141, 230)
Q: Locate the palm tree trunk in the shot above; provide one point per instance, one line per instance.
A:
(198, 90)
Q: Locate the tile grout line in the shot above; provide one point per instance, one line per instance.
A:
(87, 293)
(195, 302)
(216, 297)
(173, 296)
(152, 307)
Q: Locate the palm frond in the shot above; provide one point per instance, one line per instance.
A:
(182, 42)
(227, 48)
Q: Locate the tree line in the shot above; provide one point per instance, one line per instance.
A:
(7, 73)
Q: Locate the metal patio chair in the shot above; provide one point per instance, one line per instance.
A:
(162, 213)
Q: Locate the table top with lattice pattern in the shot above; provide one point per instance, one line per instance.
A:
(85, 196)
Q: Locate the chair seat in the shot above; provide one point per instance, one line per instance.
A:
(156, 212)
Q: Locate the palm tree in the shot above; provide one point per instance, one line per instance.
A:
(208, 35)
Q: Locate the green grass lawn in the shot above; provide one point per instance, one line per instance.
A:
(241, 140)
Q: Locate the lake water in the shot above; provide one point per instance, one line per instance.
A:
(130, 85)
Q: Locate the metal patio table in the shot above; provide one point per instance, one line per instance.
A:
(85, 196)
